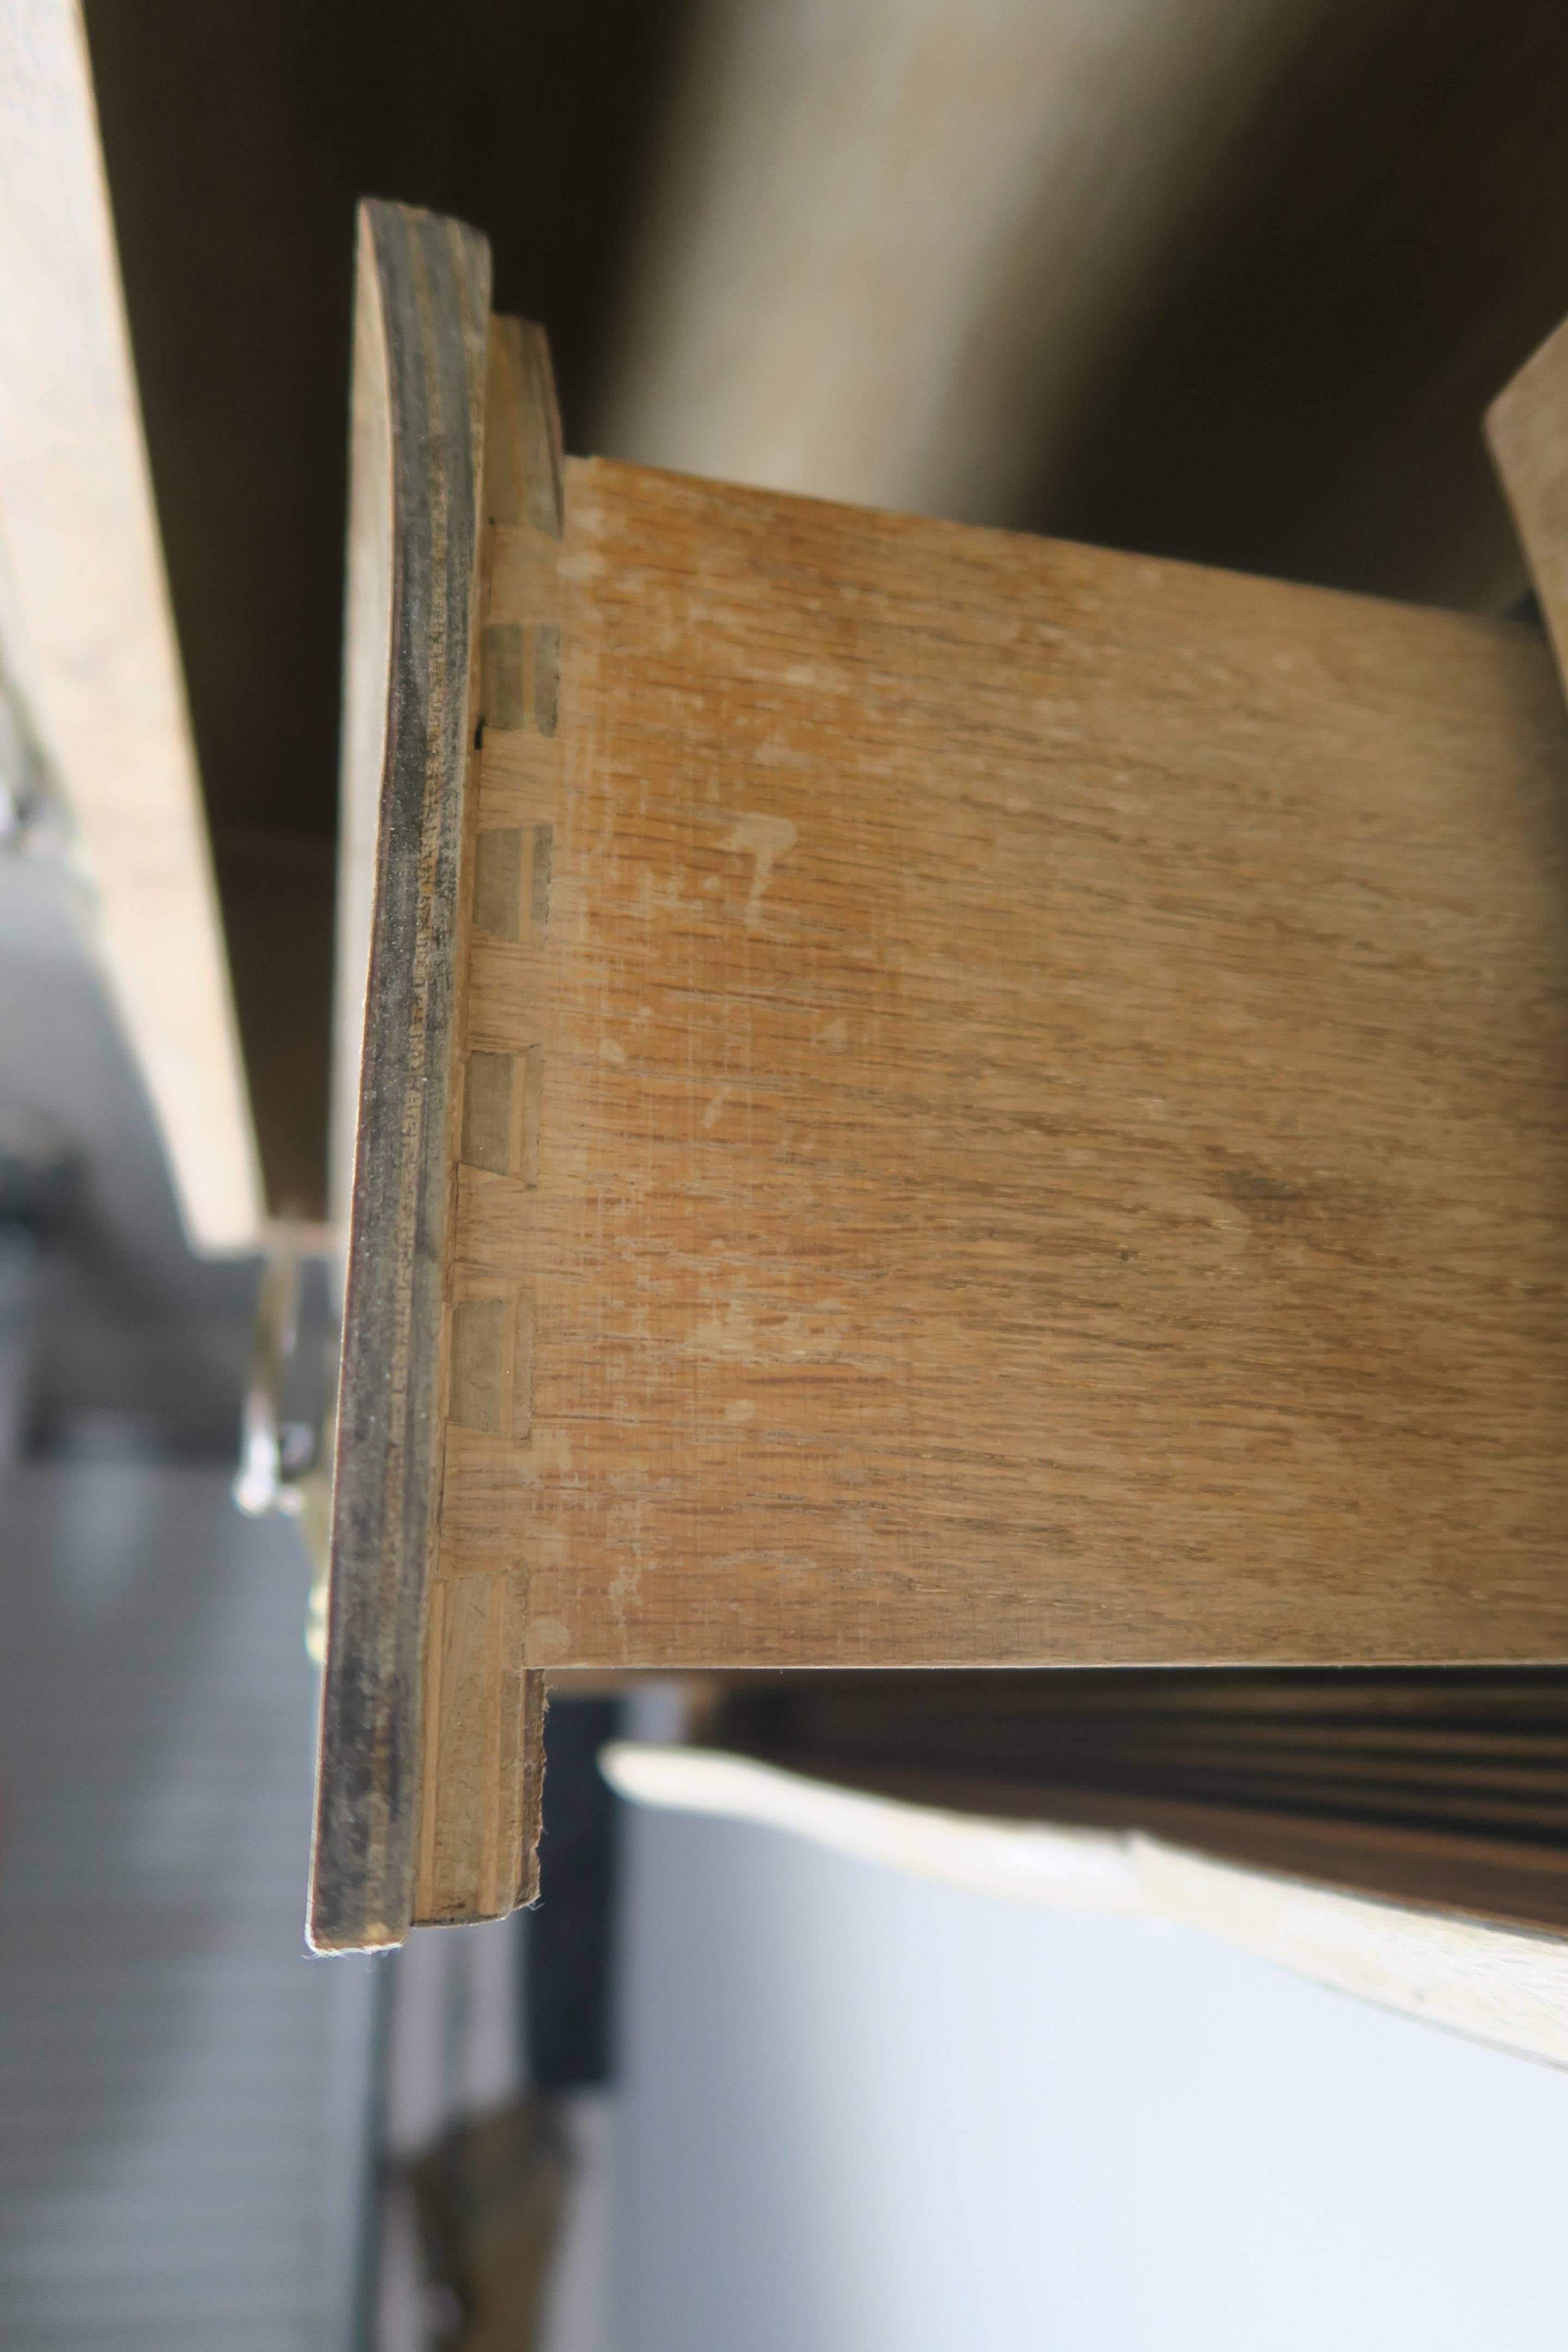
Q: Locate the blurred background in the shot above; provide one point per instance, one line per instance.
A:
(1230, 280)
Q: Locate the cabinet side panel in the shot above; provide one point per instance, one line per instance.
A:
(1054, 1134)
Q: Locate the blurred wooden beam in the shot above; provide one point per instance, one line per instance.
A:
(1227, 280)
(1380, 244)
(888, 242)
(86, 631)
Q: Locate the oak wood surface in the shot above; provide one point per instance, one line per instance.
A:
(929, 1098)
(1049, 1084)
(481, 1781)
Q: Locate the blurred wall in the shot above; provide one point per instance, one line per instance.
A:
(862, 2111)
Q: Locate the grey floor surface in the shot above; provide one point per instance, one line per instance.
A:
(183, 2090)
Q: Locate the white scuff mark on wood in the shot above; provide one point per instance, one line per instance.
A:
(766, 839)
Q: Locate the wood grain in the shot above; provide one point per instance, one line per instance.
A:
(432, 281)
(929, 1099)
(482, 1781)
(1053, 1112)
(1443, 1786)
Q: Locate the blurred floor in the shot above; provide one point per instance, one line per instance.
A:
(184, 2092)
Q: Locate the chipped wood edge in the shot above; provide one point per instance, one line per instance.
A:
(1527, 433)
(432, 284)
(1503, 1985)
(483, 1712)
